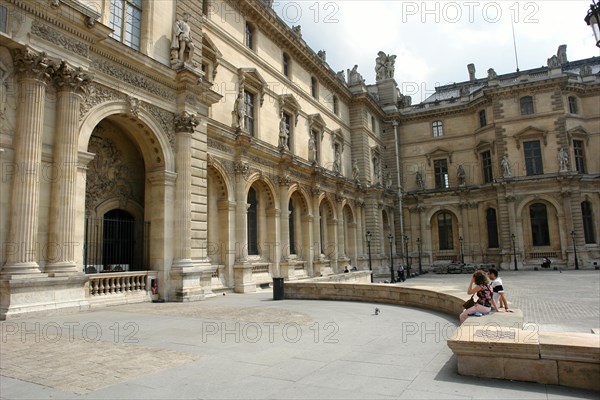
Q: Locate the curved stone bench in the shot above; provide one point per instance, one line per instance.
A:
(492, 346)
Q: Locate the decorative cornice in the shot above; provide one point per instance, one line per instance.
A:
(63, 41)
(69, 78)
(32, 64)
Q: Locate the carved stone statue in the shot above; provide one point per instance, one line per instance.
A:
(354, 77)
(384, 66)
(297, 29)
(355, 171)
(182, 46)
(563, 159)
(560, 58)
(337, 162)
(404, 101)
(322, 55)
(240, 111)
(312, 148)
(464, 91)
(387, 179)
(471, 69)
(341, 75)
(585, 70)
(506, 169)
(461, 175)
(376, 170)
(283, 133)
(3, 90)
(492, 74)
(420, 181)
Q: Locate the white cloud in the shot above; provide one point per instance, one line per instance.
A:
(353, 31)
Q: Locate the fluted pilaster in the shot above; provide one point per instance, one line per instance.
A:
(34, 69)
(61, 238)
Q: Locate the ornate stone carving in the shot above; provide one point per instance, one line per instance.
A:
(182, 46)
(132, 77)
(67, 77)
(506, 168)
(134, 106)
(186, 122)
(219, 146)
(560, 58)
(384, 66)
(339, 197)
(341, 75)
(563, 159)
(210, 161)
(461, 175)
(107, 175)
(241, 168)
(471, 70)
(283, 133)
(315, 191)
(239, 110)
(322, 54)
(355, 171)
(285, 181)
(420, 180)
(492, 74)
(96, 94)
(53, 36)
(297, 29)
(34, 64)
(90, 22)
(165, 119)
(585, 70)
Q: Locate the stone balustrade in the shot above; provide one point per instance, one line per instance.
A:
(497, 345)
(119, 287)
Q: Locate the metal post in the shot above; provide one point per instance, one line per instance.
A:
(407, 267)
(419, 249)
(369, 247)
(514, 251)
(575, 250)
(391, 238)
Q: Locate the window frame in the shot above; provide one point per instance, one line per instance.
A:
(540, 230)
(286, 65)
(250, 112)
(532, 152)
(587, 217)
(482, 118)
(292, 227)
(527, 105)
(3, 19)
(336, 105)
(579, 156)
(314, 88)
(491, 222)
(437, 128)
(252, 232)
(249, 36)
(573, 106)
(445, 228)
(442, 180)
(487, 166)
(289, 124)
(126, 21)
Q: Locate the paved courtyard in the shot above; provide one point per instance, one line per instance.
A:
(248, 346)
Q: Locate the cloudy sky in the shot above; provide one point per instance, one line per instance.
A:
(435, 40)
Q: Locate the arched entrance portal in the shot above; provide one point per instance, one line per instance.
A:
(116, 234)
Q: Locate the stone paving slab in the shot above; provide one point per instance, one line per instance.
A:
(306, 350)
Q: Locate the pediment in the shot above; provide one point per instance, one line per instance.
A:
(439, 153)
(289, 102)
(579, 132)
(316, 121)
(531, 132)
(250, 77)
(484, 145)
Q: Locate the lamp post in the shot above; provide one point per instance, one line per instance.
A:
(575, 250)
(593, 19)
(391, 239)
(407, 267)
(369, 247)
(462, 253)
(419, 249)
(514, 251)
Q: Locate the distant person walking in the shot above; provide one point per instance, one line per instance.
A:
(401, 277)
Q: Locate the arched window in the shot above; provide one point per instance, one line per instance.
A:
(437, 128)
(444, 221)
(292, 228)
(252, 221)
(492, 228)
(526, 105)
(126, 22)
(540, 234)
(588, 222)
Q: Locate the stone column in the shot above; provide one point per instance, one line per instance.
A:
(185, 124)
(241, 210)
(341, 235)
(360, 252)
(284, 237)
(22, 241)
(61, 236)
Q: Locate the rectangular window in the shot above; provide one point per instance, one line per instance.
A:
(527, 105)
(533, 158)
(126, 22)
(286, 65)
(437, 128)
(488, 174)
(588, 222)
(3, 19)
(441, 173)
(579, 156)
(572, 105)
(482, 119)
(250, 117)
(314, 88)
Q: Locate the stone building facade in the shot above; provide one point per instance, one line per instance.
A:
(185, 147)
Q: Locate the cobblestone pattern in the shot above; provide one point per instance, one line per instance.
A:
(80, 366)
